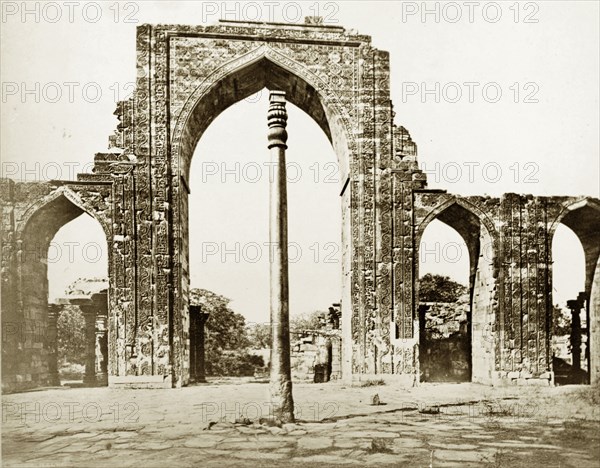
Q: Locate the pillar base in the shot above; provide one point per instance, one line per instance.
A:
(54, 380)
(197, 380)
(101, 379)
(89, 380)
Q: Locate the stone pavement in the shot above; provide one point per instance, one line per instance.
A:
(223, 424)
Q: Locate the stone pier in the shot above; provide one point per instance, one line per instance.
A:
(54, 311)
(197, 344)
(94, 311)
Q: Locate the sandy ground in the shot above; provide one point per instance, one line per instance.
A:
(226, 424)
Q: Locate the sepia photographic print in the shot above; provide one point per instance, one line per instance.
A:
(300, 233)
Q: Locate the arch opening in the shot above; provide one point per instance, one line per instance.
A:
(456, 320)
(228, 215)
(235, 82)
(575, 317)
(60, 241)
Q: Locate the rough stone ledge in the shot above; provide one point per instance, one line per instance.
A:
(140, 381)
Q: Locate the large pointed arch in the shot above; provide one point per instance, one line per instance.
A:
(246, 75)
(241, 77)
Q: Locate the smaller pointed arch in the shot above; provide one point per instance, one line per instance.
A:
(53, 211)
(454, 209)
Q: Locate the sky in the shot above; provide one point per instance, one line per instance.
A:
(502, 98)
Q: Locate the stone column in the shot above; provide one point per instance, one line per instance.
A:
(575, 307)
(201, 355)
(100, 305)
(89, 315)
(197, 349)
(54, 311)
(281, 376)
(584, 301)
(101, 353)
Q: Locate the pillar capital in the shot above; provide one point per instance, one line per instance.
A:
(277, 120)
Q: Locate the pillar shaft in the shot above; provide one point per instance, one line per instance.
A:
(52, 343)
(281, 378)
(89, 315)
(101, 349)
(197, 349)
(576, 338)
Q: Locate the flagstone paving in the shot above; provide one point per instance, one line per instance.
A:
(224, 424)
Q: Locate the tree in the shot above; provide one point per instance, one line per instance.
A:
(226, 340)
(259, 335)
(561, 321)
(71, 335)
(308, 321)
(71, 324)
(438, 288)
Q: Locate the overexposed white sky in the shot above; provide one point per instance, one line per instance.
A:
(545, 147)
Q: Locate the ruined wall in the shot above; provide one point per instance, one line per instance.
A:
(316, 354)
(512, 282)
(444, 344)
(483, 313)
